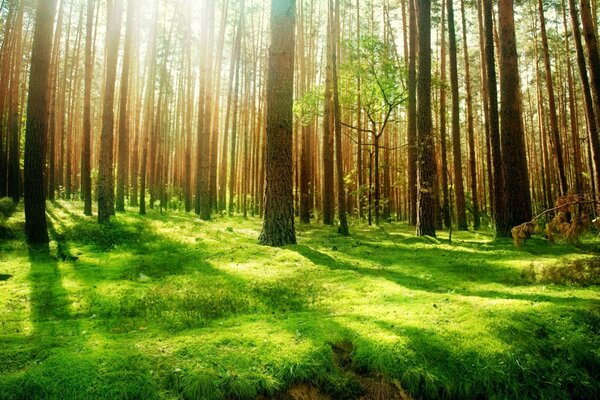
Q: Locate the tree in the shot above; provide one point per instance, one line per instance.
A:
(36, 227)
(518, 196)
(105, 177)
(14, 169)
(278, 223)
(86, 145)
(123, 155)
(339, 166)
(470, 128)
(426, 175)
(555, 134)
(461, 215)
(411, 125)
(499, 198)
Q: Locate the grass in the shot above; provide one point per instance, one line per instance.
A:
(169, 307)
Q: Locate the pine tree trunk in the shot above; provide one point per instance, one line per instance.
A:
(426, 176)
(105, 169)
(123, 157)
(459, 191)
(443, 135)
(470, 128)
(36, 227)
(412, 112)
(278, 224)
(327, 148)
(552, 104)
(499, 199)
(14, 153)
(518, 195)
(591, 42)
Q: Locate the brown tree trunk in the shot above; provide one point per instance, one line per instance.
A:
(499, 200)
(591, 42)
(518, 195)
(105, 169)
(278, 224)
(470, 128)
(443, 135)
(552, 104)
(36, 227)
(459, 191)
(426, 157)
(327, 188)
(14, 169)
(411, 133)
(86, 144)
(124, 124)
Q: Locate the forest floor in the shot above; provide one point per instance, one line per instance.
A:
(167, 306)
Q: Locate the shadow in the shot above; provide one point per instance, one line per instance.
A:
(49, 299)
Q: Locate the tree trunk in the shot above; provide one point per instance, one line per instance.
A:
(36, 227)
(86, 142)
(105, 169)
(591, 42)
(14, 169)
(327, 148)
(518, 195)
(123, 160)
(443, 136)
(552, 104)
(470, 129)
(459, 191)
(278, 223)
(426, 176)
(412, 112)
(499, 200)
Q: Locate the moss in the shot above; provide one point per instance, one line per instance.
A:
(168, 306)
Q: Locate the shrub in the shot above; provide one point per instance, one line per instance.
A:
(7, 207)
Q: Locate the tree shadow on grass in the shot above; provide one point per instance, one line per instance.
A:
(446, 278)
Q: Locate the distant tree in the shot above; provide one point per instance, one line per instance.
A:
(124, 118)
(459, 191)
(14, 146)
(339, 165)
(36, 227)
(278, 223)
(426, 152)
(411, 125)
(86, 143)
(106, 176)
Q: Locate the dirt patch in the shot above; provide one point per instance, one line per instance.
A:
(373, 387)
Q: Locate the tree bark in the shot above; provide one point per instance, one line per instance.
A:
(105, 176)
(459, 191)
(426, 176)
(518, 195)
(278, 223)
(36, 227)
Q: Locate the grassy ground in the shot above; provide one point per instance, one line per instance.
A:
(169, 307)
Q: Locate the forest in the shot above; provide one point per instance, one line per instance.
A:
(299, 199)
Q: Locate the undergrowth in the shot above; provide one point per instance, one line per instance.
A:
(170, 307)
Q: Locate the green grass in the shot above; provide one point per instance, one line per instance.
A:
(169, 307)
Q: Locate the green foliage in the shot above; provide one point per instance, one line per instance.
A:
(309, 106)
(382, 77)
(7, 207)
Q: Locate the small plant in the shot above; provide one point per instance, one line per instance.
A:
(7, 207)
